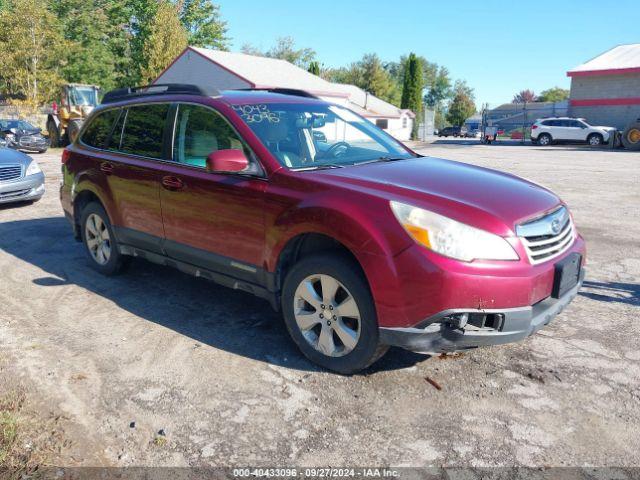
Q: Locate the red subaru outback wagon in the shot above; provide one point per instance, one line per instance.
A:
(359, 241)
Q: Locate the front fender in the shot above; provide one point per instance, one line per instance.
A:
(372, 238)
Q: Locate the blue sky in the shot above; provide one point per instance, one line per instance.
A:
(498, 47)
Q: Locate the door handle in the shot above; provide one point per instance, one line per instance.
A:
(106, 167)
(172, 183)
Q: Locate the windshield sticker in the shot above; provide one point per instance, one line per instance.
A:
(257, 113)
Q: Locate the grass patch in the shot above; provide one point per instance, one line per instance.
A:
(12, 457)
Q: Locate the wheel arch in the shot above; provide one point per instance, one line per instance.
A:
(83, 198)
(306, 244)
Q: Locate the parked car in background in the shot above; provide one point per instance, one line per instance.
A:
(360, 242)
(565, 129)
(21, 135)
(451, 132)
(21, 179)
(473, 133)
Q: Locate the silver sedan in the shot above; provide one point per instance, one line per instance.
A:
(21, 179)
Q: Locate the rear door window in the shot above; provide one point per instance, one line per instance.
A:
(143, 130)
(99, 130)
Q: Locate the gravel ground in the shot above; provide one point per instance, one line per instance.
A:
(214, 372)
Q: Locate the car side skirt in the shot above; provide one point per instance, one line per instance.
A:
(199, 263)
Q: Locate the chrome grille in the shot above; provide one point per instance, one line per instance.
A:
(31, 140)
(10, 172)
(547, 237)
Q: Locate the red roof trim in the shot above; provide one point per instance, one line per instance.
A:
(610, 71)
(594, 102)
(251, 84)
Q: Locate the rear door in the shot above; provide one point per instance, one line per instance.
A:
(130, 165)
(212, 220)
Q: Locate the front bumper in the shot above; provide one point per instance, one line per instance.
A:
(29, 188)
(516, 324)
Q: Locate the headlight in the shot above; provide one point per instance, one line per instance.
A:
(450, 238)
(33, 168)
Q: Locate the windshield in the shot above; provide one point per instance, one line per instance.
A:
(83, 96)
(18, 124)
(312, 136)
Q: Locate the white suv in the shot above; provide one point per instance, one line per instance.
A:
(548, 130)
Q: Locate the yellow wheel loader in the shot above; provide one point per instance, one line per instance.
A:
(76, 102)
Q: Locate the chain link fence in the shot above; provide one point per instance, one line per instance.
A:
(514, 120)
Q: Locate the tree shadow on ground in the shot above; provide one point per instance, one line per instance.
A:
(617, 292)
(223, 318)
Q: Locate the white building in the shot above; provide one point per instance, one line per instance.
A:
(229, 71)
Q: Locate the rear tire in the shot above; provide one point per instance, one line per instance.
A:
(325, 299)
(631, 136)
(54, 134)
(73, 129)
(100, 242)
(544, 139)
(595, 140)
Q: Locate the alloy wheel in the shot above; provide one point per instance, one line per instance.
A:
(327, 315)
(98, 239)
(594, 140)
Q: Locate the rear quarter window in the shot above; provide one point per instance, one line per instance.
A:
(99, 129)
(143, 130)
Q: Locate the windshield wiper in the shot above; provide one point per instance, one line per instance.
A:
(322, 166)
(383, 159)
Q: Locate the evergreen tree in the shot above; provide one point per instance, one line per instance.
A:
(412, 90)
(314, 67)
(166, 40)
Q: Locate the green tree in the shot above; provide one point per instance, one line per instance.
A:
(412, 89)
(32, 49)
(284, 49)
(375, 78)
(203, 22)
(462, 106)
(86, 25)
(166, 40)
(314, 67)
(555, 94)
(439, 89)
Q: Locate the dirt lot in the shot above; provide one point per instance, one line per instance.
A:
(215, 371)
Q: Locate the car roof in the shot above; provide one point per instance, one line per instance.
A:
(236, 97)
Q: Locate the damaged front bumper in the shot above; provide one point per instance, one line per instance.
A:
(488, 327)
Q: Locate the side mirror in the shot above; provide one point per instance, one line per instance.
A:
(227, 161)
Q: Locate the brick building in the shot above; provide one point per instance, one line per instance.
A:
(606, 89)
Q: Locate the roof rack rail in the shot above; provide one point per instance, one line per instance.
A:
(158, 89)
(283, 91)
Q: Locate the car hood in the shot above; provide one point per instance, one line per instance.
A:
(12, 157)
(485, 198)
(35, 132)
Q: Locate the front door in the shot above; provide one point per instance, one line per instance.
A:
(211, 220)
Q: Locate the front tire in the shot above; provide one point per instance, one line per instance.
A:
(595, 140)
(100, 242)
(329, 313)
